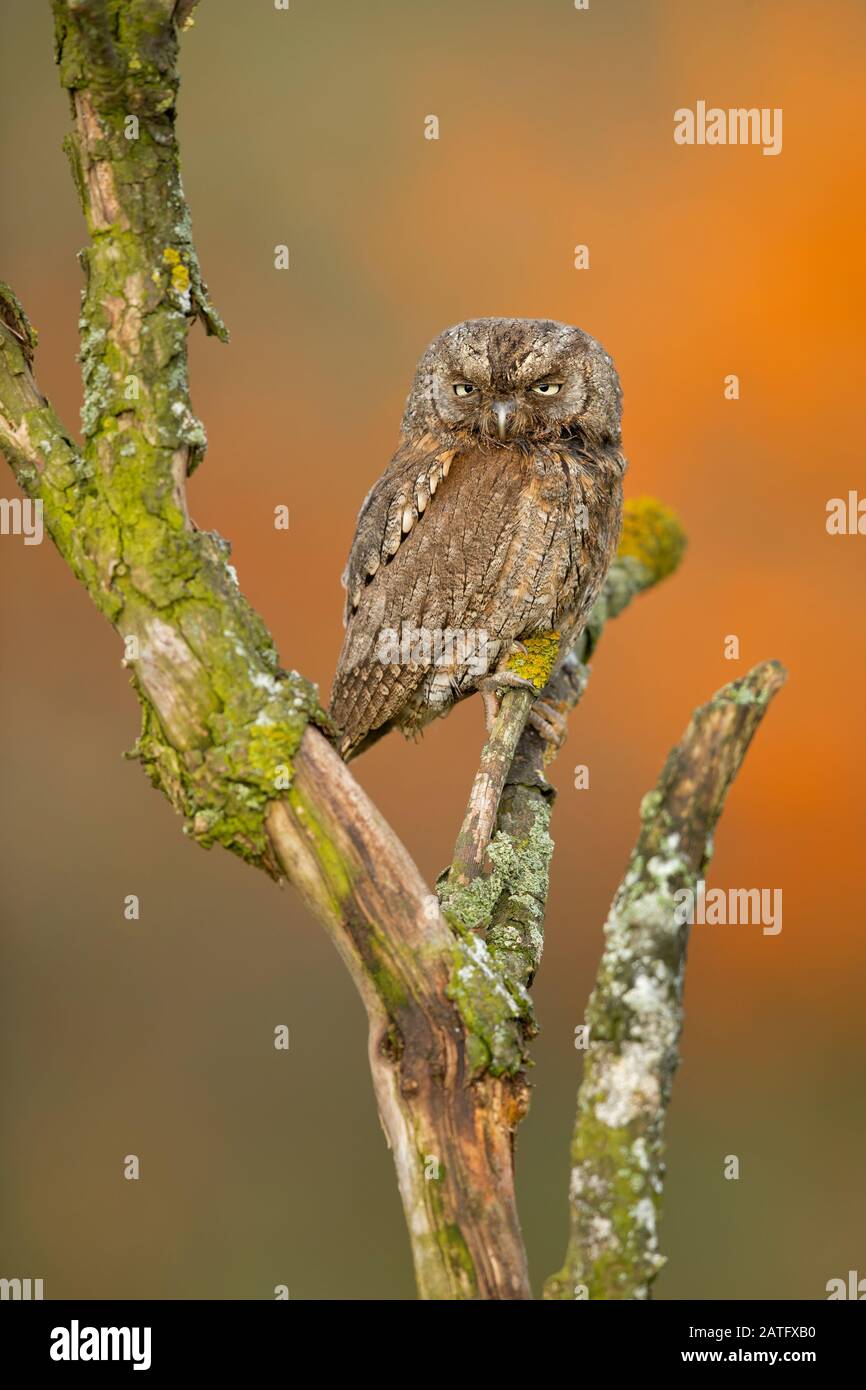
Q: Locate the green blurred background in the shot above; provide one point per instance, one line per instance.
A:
(155, 1037)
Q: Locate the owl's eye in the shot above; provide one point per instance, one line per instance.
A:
(547, 388)
(464, 388)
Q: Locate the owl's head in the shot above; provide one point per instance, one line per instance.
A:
(514, 380)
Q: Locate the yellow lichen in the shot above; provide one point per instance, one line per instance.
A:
(537, 662)
(652, 535)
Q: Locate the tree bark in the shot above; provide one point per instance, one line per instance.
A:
(450, 1089)
(635, 1013)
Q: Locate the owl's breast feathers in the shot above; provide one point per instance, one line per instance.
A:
(460, 549)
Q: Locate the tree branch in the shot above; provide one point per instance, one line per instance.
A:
(635, 1012)
(226, 732)
(446, 1039)
(499, 886)
(496, 758)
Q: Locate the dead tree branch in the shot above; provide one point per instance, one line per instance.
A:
(635, 1013)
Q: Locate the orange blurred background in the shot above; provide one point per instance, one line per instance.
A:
(155, 1037)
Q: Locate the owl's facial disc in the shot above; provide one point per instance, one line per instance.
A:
(516, 381)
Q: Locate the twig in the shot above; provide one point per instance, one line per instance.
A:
(496, 759)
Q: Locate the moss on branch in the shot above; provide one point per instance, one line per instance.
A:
(635, 1011)
(221, 720)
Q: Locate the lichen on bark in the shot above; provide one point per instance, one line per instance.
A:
(635, 1012)
(221, 720)
(507, 904)
(496, 1012)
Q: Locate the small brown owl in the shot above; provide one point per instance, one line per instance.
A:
(494, 522)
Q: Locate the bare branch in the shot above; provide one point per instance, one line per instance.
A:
(496, 759)
(635, 1014)
(38, 448)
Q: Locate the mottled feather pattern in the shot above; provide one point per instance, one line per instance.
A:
(474, 529)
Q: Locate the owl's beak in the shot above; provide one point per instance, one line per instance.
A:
(503, 410)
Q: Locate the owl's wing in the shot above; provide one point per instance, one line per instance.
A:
(488, 559)
(390, 510)
(368, 690)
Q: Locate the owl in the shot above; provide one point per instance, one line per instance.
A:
(495, 521)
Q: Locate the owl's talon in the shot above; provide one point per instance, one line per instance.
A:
(491, 689)
(550, 722)
(506, 680)
(491, 707)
